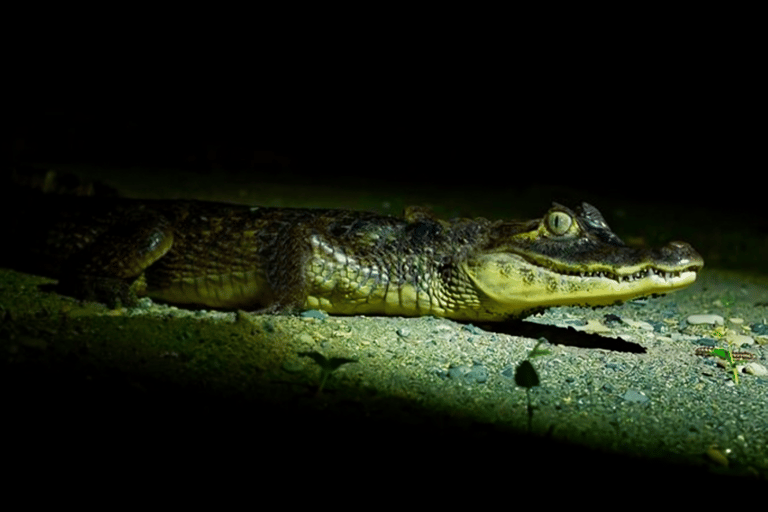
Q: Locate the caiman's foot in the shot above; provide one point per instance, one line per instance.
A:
(111, 291)
(280, 308)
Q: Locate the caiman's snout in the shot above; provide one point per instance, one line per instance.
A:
(681, 255)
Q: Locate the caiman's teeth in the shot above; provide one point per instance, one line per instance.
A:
(640, 274)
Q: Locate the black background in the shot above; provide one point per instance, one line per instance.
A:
(663, 116)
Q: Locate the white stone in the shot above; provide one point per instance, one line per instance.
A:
(705, 319)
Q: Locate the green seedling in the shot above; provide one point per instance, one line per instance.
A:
(728, 354)
(526, 376)
(728, 300)
(327, 365)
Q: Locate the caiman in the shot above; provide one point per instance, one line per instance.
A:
(216, 255)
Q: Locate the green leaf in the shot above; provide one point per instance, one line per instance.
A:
(325, 363)
(525, 375)
(335, 362)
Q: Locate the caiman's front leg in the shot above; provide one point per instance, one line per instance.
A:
(112, 259)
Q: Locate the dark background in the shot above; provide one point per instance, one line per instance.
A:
(663, 146)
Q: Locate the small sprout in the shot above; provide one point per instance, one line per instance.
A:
(727, 354)
(728, 300)
(327, 365)
(526, 376)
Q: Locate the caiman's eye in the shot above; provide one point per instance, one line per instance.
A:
(559, 222)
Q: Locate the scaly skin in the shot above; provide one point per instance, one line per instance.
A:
(344, 262)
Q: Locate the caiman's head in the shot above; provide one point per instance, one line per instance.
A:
(572, 258)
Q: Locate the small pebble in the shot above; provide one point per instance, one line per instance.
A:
(635, 396)
(705, 319)
(457, 372)
(645, 326)
(474, 330)
(593, 326)
(478, 373)
(740, 340)
(756, 369)
(306, 339)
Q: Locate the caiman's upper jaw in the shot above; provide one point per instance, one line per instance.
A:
(621, 263)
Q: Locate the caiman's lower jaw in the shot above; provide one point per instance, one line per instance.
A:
(513, 285)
